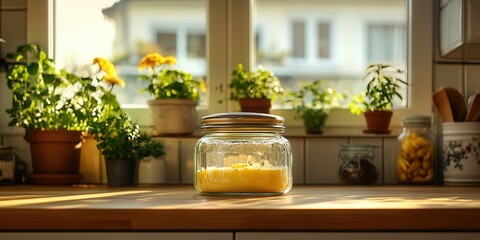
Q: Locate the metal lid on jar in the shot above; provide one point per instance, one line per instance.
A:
(243, 122)
(417, 120)
(357, 147)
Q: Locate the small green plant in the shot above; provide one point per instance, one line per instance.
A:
(313, 102)
(168, 83)
(383, 85)
(261, 84)
(117, 135)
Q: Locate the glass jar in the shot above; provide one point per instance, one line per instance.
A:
(415, 162)
(7, 165)
(243, 154)
(357, 164)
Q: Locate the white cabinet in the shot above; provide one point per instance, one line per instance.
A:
(187, 149)
(298, 159)
(472, 31)
(172, 156)
(391, 148)
(315, 159)
(459, 27)
(451, 26)
(472, 78)
(356, 236)
(321, 159)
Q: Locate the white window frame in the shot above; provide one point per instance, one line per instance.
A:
(230, 30)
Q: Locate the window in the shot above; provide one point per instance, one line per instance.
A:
(340, 57)
(328, 40)
(124, 31)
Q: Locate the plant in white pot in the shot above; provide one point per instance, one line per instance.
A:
(383, 86)
(175, 94)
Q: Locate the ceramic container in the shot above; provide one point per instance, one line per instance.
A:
(461, 152)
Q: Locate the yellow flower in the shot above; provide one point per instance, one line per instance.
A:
(114, 79)
(105, 66)
(151, 60)
(171, 60)
(202, 85)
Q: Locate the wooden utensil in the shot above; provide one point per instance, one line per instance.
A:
(473, 113)
(442, 105)
(457, 104)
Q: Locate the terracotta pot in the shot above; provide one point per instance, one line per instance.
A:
(121, 172)
(173, 116)
(255, 105)
(378, 121)
(55, 151)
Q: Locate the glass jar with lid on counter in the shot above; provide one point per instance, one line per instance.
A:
(415, 162)
(243, 154)
(357, 164)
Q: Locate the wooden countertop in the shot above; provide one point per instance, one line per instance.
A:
(178, 208)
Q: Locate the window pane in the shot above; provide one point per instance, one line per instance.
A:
(382, 41)
(323, 40)
(124, 31)
(167, 43)
(298, 39)
(196, 45)
(333, 40)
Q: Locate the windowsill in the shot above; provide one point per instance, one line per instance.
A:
(299, 132)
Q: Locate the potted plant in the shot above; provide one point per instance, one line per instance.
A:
(99, 102)
(313, 102)
(123, 144)
(256, 90)
(118, 138)
(51, 106)
(175, 94)
(383, 86)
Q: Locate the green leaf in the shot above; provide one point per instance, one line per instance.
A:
(33, 68)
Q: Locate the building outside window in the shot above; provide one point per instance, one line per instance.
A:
(300, 41)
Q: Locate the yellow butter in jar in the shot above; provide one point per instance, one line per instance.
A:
(415, 162)
(243, 154)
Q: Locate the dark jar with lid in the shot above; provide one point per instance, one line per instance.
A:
(415, 162)
(357, 164)
(243, 153)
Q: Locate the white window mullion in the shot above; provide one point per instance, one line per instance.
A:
(240, 39)
(217, 56)
(182, 44)
(311, 38)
